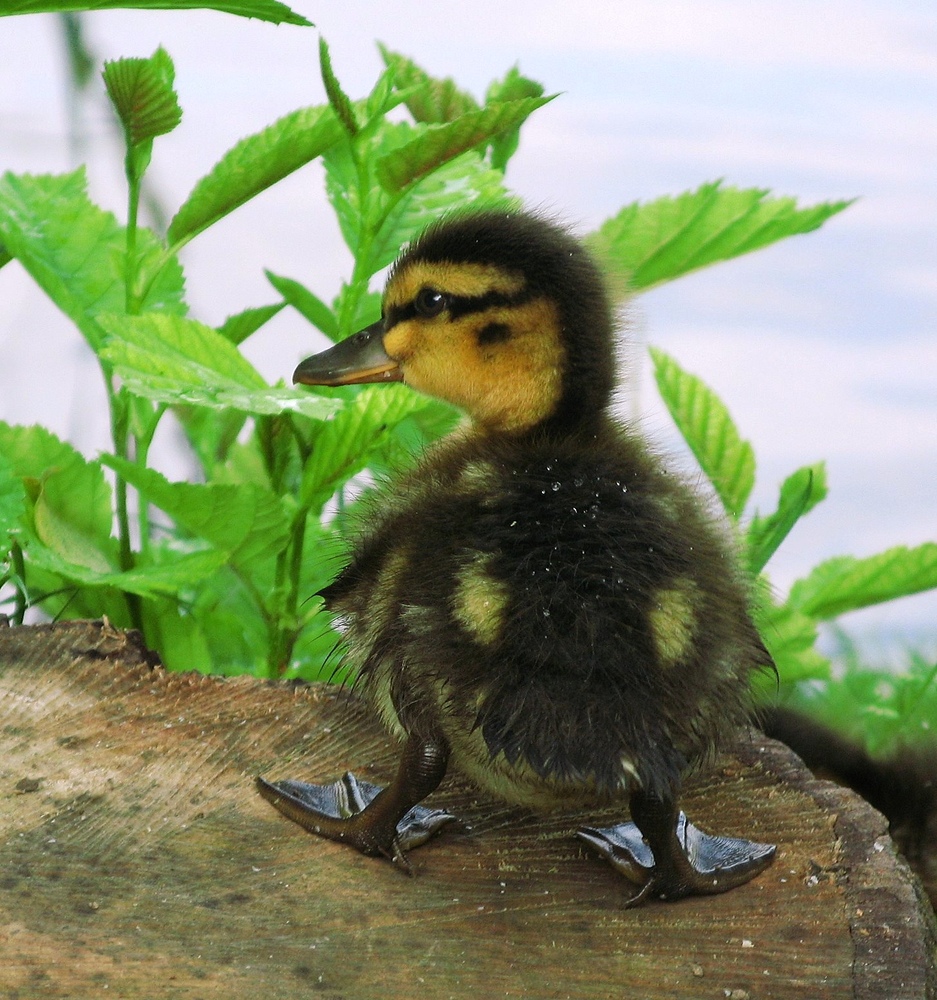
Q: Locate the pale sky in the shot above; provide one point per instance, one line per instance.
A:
(822, 347)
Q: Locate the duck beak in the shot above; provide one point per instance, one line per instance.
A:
(360, 358)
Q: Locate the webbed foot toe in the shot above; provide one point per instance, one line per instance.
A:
(691, 863)
(340, 811)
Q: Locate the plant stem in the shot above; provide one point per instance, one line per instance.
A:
(19, 584)
(143, 443)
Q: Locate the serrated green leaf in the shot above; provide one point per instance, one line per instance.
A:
(428, 99)
(338, 99)
(512, 87)
(142, 94)
(800, 493)
(244, 521)
(183, 571)
(306, 303)
(75, 250)
(62, 524)
(178, 361)
(265, 10)
(467, 181)
(846, 584)
(253, 165)
(12, 504)
(240, 326)
(70, 500)
(704, 422)
(345, 443)
(383, 98)
(790, 638)
(647, 244)
(34, 450)
(436, 144)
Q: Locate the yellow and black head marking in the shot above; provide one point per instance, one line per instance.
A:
(537, 600)
(503, 314)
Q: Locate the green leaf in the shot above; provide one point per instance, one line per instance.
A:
(460, 183)
(707, 428)
(33, 451)
(800, 493)
(265, 10)
(790, 638)
(436, 144)
(240, 326)
(338, 99)
(177, 635)
(428, 99)
(65, 521)
(345, 444)
(70, 500)
(305, 302)
(212, 433)
(647, 244)
(12, 504)
(5, 258)
(253, 165)
(245, 522)
(142, 94)
(185, 570)
(846, 584)
(513, 87)
(178, 361)
(75, 250)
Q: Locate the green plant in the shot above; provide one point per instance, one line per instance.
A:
(218, 574)
(884, 710)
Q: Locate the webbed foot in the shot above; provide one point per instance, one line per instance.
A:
(683, 861)
(331, 811)
(374, 820)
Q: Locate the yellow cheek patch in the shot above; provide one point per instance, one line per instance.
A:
(400, 342)
(457, 279)
(523, 376)
(480, 601)
(511, 385)
(673, 621)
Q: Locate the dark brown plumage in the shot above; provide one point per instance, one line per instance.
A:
(539, 602)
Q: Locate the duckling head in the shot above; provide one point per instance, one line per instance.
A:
(503, 314)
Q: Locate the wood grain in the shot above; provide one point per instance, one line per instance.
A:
(136, 858)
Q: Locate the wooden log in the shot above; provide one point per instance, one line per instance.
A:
(137, 861)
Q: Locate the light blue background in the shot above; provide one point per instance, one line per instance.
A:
(822, 347)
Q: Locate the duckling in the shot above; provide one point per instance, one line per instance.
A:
(539, 603)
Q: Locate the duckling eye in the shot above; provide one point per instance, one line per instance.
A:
(429, 302)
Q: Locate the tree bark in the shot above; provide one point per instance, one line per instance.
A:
(135, 857)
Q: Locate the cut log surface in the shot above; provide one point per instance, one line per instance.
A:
(137, 861)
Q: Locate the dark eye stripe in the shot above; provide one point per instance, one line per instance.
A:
(460, 305)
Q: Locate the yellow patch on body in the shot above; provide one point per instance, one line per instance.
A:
(479, 601)
(673, 621)
(479, 477)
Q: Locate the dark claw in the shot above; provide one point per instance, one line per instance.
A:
(709, 864)
(345, 799)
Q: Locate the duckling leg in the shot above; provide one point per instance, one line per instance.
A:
(384, 821)
(664, 853)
